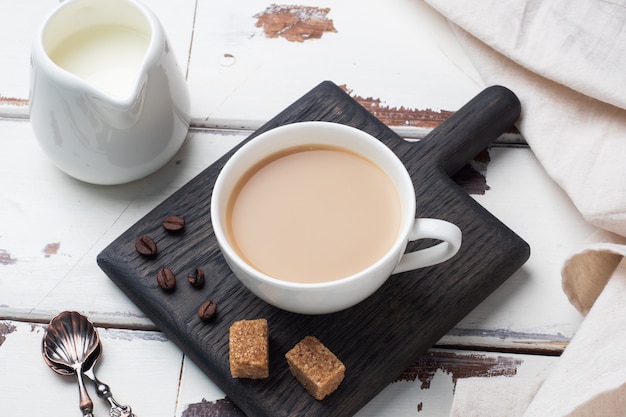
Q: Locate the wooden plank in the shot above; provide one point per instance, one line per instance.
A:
(377, 338)
(515, 316)
(426, 387)
(233, 66)
(141, 368)
(403, 58)
(18, 24)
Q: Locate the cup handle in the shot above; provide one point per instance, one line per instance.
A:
(448, 233)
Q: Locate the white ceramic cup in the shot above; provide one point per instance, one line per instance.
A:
(108, 101)
(332, 296)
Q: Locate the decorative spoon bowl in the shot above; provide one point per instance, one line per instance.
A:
(70, 345)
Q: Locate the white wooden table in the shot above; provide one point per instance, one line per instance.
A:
(400, 60)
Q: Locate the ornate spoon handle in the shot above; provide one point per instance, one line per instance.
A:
(86, 405)
(120, 411)
(103, 391)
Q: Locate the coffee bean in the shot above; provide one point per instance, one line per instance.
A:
(196, 278)
(207, 310)
(166, 279)
(173, 224)
(146, 246)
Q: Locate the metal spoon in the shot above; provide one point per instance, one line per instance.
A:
(72, 335)
(68, 345)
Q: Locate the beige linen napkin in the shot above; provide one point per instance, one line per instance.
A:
(566, 61)
(579, 137)
(589, 380)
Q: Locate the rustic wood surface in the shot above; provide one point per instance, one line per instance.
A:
(376, 339)
(401, 62)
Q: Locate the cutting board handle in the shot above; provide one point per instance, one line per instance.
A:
(472, 128)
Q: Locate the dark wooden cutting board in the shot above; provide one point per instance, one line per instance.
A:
(378, 338)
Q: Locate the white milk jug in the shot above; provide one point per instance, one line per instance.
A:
(108, 101)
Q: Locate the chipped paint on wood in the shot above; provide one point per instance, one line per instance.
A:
(51, 249)
(5, 329)
(6, 258)
(400, 116)
(13, 101)
(295, 23)
(511, 341)
(460, 366)
(228, 60)
(473, 176)
(223, 408)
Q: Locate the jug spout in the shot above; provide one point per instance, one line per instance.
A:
(155, 99)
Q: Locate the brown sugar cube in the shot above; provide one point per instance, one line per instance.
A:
(248, 349)
(315, 367)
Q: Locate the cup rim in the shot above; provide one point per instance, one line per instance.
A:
(408, 209)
